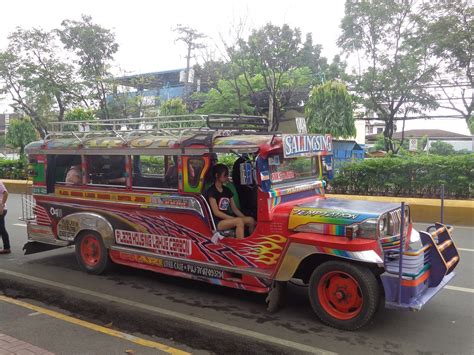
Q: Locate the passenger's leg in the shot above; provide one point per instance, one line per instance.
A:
(250, 223)
(231, 223)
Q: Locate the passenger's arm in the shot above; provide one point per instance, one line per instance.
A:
(234, 208)
(216, 211)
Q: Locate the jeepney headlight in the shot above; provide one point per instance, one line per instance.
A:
(368, 229)
(384, 224)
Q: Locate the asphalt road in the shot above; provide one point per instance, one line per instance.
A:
(220, 320)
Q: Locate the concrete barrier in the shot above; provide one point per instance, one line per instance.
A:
(16, 186)
(456, 212)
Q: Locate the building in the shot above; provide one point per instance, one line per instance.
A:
(4, 121)
(156, 87)
(346, 151)
(458, 141)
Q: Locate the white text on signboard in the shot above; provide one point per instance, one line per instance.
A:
(296, 145)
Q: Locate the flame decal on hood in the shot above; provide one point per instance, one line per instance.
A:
(265, 249)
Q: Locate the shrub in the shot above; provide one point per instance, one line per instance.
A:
(13, 169)
(415, 176)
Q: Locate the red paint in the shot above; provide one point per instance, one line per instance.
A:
(90, 249)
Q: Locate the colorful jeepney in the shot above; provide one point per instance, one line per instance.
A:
(351, 254)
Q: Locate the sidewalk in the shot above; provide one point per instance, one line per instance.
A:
(10, 346)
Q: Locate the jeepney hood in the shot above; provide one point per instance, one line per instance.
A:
(333, 211)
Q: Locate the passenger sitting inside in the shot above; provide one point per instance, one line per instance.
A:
(220, 199)
(74, 175)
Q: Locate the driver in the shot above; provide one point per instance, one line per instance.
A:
(220, 199)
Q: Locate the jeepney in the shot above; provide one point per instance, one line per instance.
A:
(351, 254)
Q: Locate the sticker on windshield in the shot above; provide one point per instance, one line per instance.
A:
(275, 160)
(283, 175)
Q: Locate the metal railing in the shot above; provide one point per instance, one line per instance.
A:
(175, 126)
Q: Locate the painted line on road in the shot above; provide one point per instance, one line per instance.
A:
(465, 249)
(457, 288)
(19, 224)
(168, 313)
(95, 327)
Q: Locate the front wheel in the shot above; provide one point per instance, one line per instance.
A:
(91, 253)
(343, 295)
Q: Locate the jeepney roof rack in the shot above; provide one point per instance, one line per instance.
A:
(174, 126)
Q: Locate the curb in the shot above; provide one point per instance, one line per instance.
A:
(424, 210)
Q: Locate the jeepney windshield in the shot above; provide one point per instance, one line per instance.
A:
(293, 169)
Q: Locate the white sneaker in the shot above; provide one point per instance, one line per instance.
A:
(216, 237)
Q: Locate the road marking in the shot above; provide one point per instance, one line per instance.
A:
(166, 312)
(462, 289)
(95, 327)
(465, 249)
(19, 224)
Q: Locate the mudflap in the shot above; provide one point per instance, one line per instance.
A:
(276, 298)
(37, 247)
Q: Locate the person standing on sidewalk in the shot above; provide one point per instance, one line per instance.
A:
(3, 213)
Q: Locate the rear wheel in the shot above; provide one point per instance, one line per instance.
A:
(91, 253)
(343, 295)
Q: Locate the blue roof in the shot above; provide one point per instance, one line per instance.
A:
(346, 145)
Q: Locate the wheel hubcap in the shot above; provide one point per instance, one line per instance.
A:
(90, 250)
(340, 295)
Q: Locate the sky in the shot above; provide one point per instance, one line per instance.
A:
(143, 28)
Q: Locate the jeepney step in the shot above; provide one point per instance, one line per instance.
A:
(452, 262)
(447, 243)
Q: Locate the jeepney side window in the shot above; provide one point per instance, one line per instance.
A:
(107, 169)
(194, 169)
(63, 169)
(155, 171)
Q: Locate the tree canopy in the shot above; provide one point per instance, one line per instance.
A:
(20, 133)
(394, 83)
(329, 110)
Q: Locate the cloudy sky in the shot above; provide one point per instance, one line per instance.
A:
(143, 28)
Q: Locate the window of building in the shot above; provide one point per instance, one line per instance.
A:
(379, 130)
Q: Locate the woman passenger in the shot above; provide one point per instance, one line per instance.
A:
(220, 199)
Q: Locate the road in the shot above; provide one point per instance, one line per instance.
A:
(202, 317)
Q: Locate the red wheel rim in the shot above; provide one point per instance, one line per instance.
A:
(90, 250)
(340, 295)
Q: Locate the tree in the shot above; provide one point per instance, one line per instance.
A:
(95, 48)
(34, 76)
(329, 110)
(20, 133)
(449, 28)
(78, 114)
(393, 84)
(173, 107)
(272, 52)
(229, 97)
(191, 37)
(441, 148)
(276, 57)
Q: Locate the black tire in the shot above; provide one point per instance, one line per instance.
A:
(334, 275)
(96, 262)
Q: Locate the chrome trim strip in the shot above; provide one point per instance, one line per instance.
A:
(297, 252)
(237, 270)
